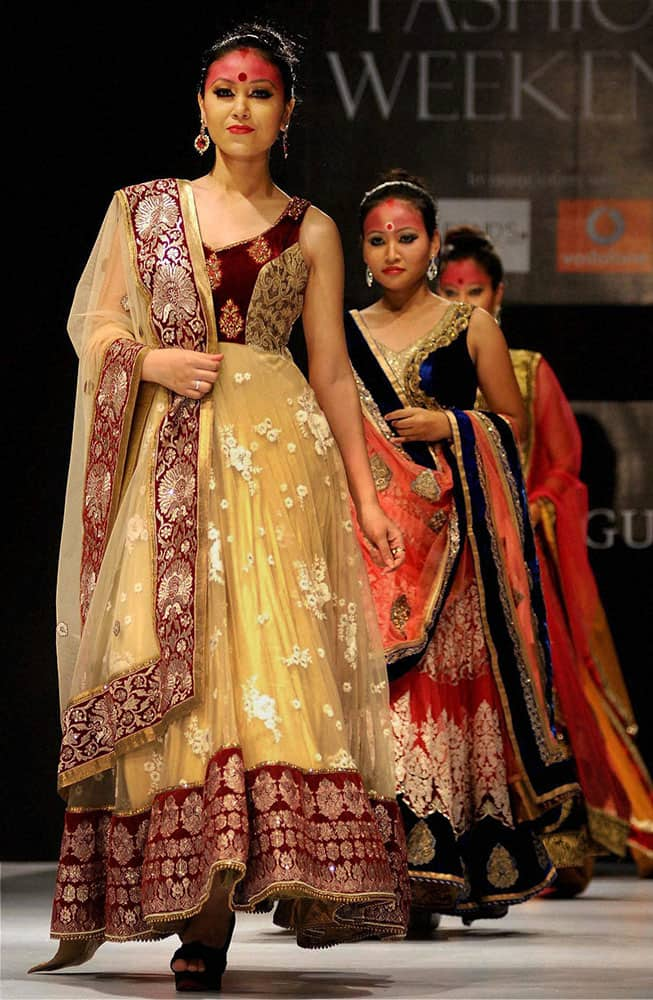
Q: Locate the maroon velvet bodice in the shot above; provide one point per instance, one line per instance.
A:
(234, 269)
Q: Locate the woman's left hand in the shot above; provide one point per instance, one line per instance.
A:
(383, 537)
(535, 511)
(417, 424)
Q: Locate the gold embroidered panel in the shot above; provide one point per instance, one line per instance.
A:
(451, 764)
(277, 300)
(421, 845)
(381, 472)
(426, 485)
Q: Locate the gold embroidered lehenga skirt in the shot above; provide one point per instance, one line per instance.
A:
(276, 777)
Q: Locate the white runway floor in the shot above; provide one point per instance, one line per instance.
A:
(597, 946)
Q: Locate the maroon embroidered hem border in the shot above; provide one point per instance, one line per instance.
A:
(280, 830)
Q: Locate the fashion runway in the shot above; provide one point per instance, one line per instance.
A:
(597, 946)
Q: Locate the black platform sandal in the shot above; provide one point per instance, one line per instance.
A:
(421, 924)
(215, 962)
(488, 912)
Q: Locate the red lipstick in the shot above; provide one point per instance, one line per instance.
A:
(239, 129)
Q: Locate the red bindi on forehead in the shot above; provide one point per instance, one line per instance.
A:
(392, 214)
(243, 65)
(464, 272)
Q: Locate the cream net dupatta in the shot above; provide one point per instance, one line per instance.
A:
(98, 317)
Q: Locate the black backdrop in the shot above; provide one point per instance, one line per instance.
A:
(497, 100)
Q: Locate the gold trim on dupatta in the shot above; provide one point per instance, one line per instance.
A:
(555, 751)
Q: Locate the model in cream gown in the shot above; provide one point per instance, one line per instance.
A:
(224, 696)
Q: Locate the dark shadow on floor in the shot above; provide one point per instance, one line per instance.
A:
(246, 983)
(441, 934)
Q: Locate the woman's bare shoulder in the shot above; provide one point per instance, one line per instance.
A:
(318, 234)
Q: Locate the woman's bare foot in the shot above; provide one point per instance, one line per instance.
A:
(68, 953)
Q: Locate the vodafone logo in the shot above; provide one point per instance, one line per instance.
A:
(610, 235)
(605, 225)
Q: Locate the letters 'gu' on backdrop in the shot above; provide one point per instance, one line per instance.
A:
(532, 118)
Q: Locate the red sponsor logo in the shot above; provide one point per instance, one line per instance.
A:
(608, 235)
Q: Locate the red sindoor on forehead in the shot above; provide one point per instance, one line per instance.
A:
(464, 272)
(393, 213)
(242, 65)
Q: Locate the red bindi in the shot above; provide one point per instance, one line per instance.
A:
(242, 77)
(389, 226)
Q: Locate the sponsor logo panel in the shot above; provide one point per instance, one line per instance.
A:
(507, 221)
(610, 235)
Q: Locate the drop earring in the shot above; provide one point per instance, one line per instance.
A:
(497, 315)
(284, 141)
(432, 269)
(369, 277)
(202, 141)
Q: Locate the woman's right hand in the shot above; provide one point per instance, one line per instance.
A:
(187, 373)
(415, 423)
(383, 537)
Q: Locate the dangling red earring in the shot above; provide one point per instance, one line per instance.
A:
(202, 141)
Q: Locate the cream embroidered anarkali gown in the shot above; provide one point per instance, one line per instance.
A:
(224, 697)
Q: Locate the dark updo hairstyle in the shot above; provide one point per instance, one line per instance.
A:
(470, 242)
(280, 50)
(399, 183)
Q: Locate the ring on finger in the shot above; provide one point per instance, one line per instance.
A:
(196, 385)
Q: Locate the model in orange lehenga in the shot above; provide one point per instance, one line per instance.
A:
(480, 771)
